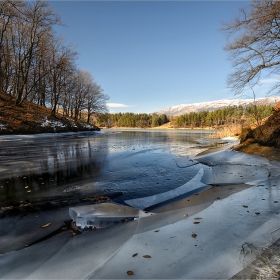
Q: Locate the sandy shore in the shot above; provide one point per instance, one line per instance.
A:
(214, 234)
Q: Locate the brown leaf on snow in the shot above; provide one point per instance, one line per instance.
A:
(194, 235)
(147, 256)
(196, 223)
(245, 206)
(134, 255)
(46, 225)
(130, 272)
(257, 213)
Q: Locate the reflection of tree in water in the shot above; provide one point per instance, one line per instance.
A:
(57, 164)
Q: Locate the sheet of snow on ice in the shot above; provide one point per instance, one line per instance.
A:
(213, 244)
(237, 174)
(145, 202)
(103, 215)
(231, 157)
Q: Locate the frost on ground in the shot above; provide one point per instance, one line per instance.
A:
(52, 123)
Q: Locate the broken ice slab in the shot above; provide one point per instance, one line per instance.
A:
(103, 215)
(148, 201)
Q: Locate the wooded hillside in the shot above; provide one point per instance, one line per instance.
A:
(37, 66)
(30, 118)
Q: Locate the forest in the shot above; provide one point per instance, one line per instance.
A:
(131, 120)
(224, 116)
(229, 115)
(36, 65)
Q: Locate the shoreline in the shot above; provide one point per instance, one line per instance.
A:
(158, 128)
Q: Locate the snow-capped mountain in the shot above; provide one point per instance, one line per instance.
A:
(182, 109)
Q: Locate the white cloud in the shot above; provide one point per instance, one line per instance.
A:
(269, 81)
(118, 105)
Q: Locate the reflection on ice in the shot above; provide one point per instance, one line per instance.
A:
(145, 202)
(103, 215)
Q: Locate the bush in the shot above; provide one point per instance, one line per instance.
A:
(246, 132)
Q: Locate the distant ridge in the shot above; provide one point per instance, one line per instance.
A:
(182, 109)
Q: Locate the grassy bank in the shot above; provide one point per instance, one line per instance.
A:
(29, 118)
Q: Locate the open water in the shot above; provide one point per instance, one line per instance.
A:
(131, 163)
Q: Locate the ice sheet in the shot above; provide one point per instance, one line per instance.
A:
(229, 235)
(145, 202)
(103, 215)
(237, 174)
(214, 243)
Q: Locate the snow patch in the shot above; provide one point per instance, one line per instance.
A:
(182, 109)
(52, 123)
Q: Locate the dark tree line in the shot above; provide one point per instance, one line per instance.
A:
(228, 115)
(37, 66)
(131, 120)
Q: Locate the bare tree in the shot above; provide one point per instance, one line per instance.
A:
(254, 49)
(9, 14)
(37, 66)
(95, 101)
(27, 32)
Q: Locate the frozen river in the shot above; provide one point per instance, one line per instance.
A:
(131, 163)
(226, 211)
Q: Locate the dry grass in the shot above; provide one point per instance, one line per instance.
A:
(251, 147)
(226, 131)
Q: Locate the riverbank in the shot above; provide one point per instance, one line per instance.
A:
(253, 148)
(221, 229)
(29, 118)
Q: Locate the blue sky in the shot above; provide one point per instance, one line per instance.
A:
(149, 55)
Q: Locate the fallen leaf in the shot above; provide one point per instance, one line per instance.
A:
(196, 223)
(197, 218)
(157, 230)
(257, 213)
(46, 225)
(134, 255)
(147, 256)
(130, 272)
(245, 206)
(7, 208)
(64, 228)
(276, 201)
(194, 235)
